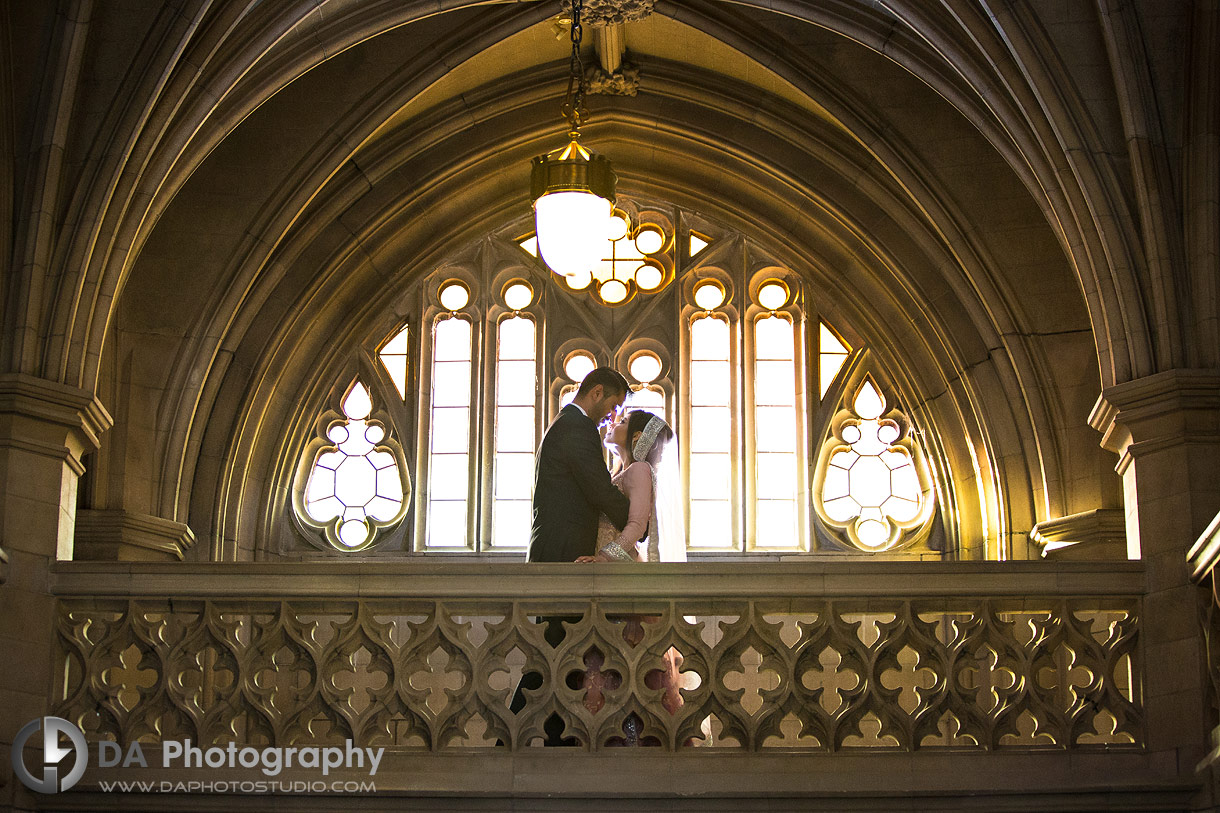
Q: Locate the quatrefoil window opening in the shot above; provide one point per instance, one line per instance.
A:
(355, 485)
(872, 486)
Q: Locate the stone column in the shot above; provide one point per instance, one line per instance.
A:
(1166, 430)
(45, 430)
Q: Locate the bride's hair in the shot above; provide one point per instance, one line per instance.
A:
(637, 419)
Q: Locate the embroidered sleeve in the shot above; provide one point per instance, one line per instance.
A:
(615, 553)
(637, 485)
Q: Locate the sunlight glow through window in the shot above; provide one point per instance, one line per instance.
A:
(775, 425)
(449, 461)
(516, 435)
(871, 485)
(832, 356)
(711, 517)
(393, 357)
(354, 481)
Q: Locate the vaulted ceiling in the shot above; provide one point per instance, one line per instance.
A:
(233, 190)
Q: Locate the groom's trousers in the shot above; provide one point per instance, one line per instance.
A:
(553, 635)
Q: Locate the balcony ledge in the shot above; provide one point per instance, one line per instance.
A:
(601, 580)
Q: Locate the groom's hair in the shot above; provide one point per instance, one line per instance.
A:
(611, 380)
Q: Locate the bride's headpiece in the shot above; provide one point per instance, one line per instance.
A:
(647, 437)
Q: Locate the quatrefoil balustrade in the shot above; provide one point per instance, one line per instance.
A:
(816, 675)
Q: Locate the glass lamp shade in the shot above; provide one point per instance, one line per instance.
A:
(571, 228)
(573, 194)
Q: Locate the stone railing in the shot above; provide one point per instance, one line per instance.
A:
(768, 657)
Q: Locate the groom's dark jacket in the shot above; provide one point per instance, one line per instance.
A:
(571, 488)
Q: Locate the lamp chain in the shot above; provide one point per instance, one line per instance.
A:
(574, 102)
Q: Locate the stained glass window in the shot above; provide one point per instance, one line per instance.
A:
(726, 357)
(645, 368)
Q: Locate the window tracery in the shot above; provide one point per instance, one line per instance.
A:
(576, 365)
(871, 482)
(356, 484)
(509, 345)
(776, 418)
(644, 367)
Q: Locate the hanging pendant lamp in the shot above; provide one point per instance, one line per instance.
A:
(572, 188)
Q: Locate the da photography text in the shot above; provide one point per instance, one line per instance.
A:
(182, 754)
(57, 773)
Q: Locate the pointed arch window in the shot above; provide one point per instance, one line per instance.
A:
(645, 369)
(393, 357)
(516, 433)
(790, 437)
(711, 431)
(776, 422)
(450, 435)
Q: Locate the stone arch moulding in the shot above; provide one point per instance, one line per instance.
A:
(308, 346)
(269, 57)
(338, 186)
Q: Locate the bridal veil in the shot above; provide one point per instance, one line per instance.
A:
(658, 446)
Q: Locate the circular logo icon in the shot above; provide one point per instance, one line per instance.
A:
(52, 755)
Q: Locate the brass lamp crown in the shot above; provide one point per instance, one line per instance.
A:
(572, 169)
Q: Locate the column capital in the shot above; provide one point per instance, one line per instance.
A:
(1157, 411)
(50, 418)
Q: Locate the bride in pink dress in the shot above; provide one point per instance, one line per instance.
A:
(647, 473)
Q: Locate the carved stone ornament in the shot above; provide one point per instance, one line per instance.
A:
(623, 82)
(611, 12)
(974, 674)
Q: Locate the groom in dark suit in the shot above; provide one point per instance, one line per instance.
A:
(572, 486)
